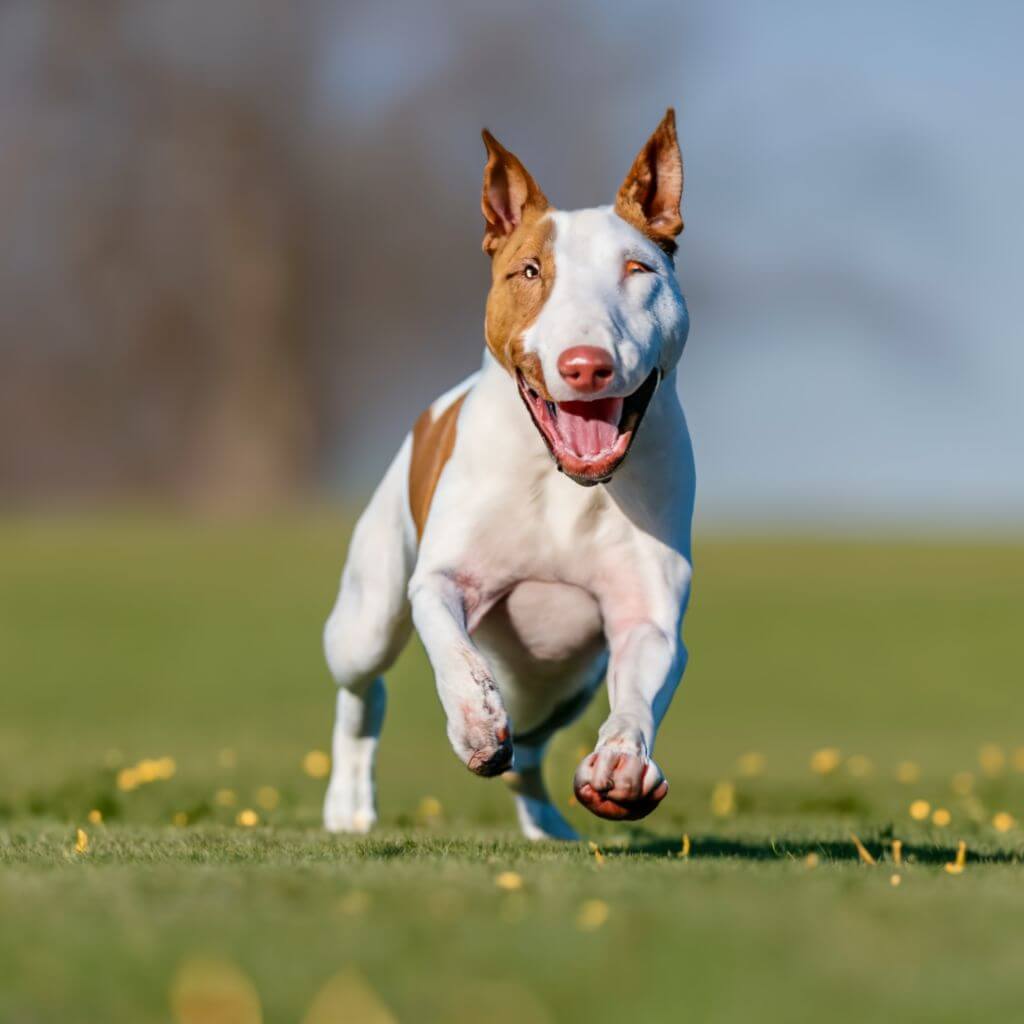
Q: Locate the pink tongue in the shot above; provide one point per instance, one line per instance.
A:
(589, 428)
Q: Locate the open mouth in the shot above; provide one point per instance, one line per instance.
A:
(589, 440)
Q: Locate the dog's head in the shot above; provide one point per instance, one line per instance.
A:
(584, 309)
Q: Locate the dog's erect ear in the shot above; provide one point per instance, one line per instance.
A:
(509, 190)
(650, 196)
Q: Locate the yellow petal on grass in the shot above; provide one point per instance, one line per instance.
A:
(247, 818)
(509, 881)
(593, 914)
(429, 810)
(941, 817)
(908, 771)
(897, 851)
(750, 764)
(958, 865)
(268, 797)
(825, 761)
(127, 780)
(920, 809)
(992, 759)
(211, 991)
(316, 764)
(812, 860)
(723, 800)
(348, 997)
(862, 850)
(596, 851)
(95, 816)
(81, 841)
(1003, 822)
(894, 880)
(684, 849)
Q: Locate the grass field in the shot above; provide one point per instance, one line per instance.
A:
(831, 686)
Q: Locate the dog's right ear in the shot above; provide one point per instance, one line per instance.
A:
(509, 191)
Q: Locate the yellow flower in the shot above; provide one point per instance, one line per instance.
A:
(920, 809)
(992, 759)
(894, 880)
(316, 764)
(127, 779)
(750, 764)
(509, 881)
(247, 818)
(429, 810)
(723, 800)
(95, 816)
(941, 817)
(897, 851)
(81, 841)
(1003, 822)
(267, 797)
(598, 855)
(348, 997)
(825, 761)
(684, 850)
(592, 914)
(166, 767)
(213, 990)
(812, 860)
(908, 771)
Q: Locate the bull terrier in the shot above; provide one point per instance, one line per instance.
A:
(535, 524)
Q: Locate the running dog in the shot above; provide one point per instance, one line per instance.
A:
(535, 525)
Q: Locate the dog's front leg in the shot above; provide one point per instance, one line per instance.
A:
(478, 726)
(620, 778)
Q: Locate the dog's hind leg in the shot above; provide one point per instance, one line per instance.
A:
(538, 816)
(364, 634)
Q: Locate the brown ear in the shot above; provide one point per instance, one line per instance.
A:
(509, 190)
(650, 196)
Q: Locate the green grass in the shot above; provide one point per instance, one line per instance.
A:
(129, 640)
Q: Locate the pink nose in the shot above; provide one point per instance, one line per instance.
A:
(586, 368)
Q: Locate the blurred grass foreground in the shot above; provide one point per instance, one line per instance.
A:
(851, 716)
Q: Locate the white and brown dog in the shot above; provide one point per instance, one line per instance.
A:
(532, 555)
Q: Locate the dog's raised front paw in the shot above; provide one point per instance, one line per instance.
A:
(619, 784)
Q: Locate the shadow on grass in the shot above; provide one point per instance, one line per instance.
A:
(714, 847)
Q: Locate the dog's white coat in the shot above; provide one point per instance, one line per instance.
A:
(527, 588)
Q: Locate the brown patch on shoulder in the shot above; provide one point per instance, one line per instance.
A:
(432, 443)
(515, 301)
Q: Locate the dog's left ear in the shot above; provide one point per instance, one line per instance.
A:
(509, 190)
(650, 196)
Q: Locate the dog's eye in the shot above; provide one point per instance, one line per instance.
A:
(530, 271)
(636, 267)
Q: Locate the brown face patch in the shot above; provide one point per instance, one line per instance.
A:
(517, 296)
(432, 444)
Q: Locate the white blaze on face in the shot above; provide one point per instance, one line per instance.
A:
(639, 318)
